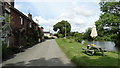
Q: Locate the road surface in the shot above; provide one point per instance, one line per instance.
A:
(46, 53)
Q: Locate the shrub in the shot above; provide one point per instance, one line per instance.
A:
(69, 37)
(60, 35)
(78, 40)
(4, 49)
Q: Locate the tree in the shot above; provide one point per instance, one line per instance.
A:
(62, 26)
(109, 21)
(87, 34)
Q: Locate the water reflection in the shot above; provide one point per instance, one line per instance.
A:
(110, 46)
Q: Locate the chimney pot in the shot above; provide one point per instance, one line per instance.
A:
(30, 16)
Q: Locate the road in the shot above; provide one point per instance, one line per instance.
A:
(46, 53)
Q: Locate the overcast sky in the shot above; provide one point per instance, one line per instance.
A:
(81, 14)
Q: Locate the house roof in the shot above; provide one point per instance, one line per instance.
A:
(46, 32)
(22, 14)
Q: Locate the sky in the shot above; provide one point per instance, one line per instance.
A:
(81, 14)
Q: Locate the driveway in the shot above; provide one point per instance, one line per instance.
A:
(46, 53)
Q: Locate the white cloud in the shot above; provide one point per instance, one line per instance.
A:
(80, 19)
(40, 20)
(18, 6)
(60, 0)
(80, 16)
(57, 0)
(43, 21)
(84, 11)
(75, 23)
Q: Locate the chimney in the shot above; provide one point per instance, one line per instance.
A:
(12, 3)
(30, 16)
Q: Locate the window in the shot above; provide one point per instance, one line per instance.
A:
(21, 20)
(30, 25)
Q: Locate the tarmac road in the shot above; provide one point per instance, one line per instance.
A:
(46, 53)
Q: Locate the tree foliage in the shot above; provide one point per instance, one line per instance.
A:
(60, 27)
(87, 34)
(109, 22)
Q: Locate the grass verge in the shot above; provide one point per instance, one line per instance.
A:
(74, 51)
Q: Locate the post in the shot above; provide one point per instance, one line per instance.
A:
(65, 30)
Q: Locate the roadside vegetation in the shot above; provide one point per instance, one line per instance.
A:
(74, 52)
(108, 25)
(108, 28)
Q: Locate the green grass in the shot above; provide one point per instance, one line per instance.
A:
(74, 51)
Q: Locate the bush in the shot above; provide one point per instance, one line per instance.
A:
(4, 49)
(60, 35)
(69, 37)
(78, 40)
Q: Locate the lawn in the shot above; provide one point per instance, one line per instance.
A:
(74, 52)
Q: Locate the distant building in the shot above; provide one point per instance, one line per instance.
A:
(48, 34)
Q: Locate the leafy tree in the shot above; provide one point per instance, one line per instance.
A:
(72, 33)
(78, 37)
(109, 18)
(61, 26)
(87, 34)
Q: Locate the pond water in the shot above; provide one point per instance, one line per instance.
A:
(110, 46)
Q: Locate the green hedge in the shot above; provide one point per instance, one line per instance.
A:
(60, 35)
(4, 49)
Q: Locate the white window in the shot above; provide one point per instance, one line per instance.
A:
(21, 20)
(30, 25)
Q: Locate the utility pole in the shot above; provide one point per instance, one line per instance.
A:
(65, 30)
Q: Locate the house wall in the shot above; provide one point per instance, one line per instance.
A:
(20, 38)
(21, 34)
(16, 20)
(15, 23)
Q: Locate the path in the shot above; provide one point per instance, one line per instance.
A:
(46, 53)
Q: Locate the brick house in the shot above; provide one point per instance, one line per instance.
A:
(24, 30)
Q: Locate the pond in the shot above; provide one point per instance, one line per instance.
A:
(110, 46)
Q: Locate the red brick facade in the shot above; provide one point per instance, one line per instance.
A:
(24, 29)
